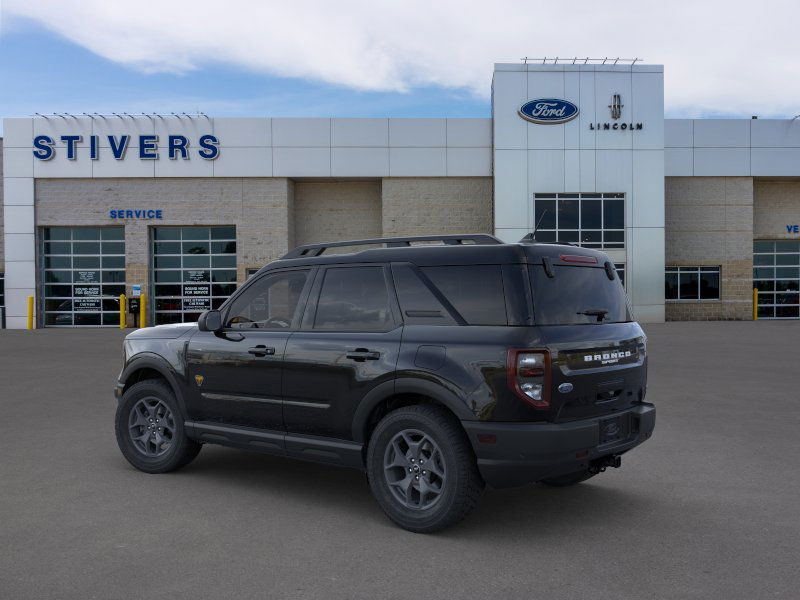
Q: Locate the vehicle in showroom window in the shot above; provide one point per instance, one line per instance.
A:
(437, 365)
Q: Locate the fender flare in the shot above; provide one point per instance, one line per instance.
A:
(150, 360)
(406, 385)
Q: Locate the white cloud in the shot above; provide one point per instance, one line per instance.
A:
(726, 56)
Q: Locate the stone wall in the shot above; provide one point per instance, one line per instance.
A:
(328, 211)
(260, 208)
(776, 204)
(429, 205)
(709, 222)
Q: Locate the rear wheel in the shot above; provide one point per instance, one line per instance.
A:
(150, 431)
(568, 479)
(422, 470)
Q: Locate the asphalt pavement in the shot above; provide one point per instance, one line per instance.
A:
(708, 508)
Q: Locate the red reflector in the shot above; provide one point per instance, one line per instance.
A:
(487, 438)
(582, 454)
(576, 258)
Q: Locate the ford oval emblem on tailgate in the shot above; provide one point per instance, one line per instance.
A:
(565, 388)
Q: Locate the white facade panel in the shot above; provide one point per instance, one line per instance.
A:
(360, 132)
(511, 202)
(56, 127)
(774, 161)
(360, 162)
(678, 162)
(545, 171)
(60, 167)
(469, 162)
(678, 133)
(18, 162)
(417, 133)
(301, 162)
(301, 133)
(17, 133)
(18, 191)
(606, 85)
(243, 132)
(646, 266)
(647, 196)
(647, 108)
(469, 133)
(21, 274)
(587, 171)
(509, 93)
(190, 128)
(117, 127)
(194, 166)
(572, 170)
(108, 166)
(243, 162)
(18, 219)
(721, 133)
(728, 162)
(19, 246)
(417, 162)
(588, 114)
(17, 304)
(775, 133)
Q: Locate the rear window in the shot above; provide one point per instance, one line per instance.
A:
(475, 291)
(577, 295)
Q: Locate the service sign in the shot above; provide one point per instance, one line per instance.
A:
(548, 111)
(86, 304)
(196, 290)
(196, 303)
(87, 290)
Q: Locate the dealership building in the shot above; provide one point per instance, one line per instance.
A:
(183, 208)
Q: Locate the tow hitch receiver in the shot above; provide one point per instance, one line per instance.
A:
(601, 464)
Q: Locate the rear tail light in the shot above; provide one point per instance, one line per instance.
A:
(529, 376)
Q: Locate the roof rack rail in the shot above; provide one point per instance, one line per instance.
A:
(531, 239)
(311, 250)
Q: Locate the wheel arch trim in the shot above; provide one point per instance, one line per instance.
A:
(149, 360)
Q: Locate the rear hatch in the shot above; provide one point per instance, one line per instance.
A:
(597, 351)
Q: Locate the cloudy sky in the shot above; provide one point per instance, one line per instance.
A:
(375, 58)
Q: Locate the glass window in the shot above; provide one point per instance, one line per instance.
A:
(778, 287)
(418, 303)
(353, 299)
(475, 291)
(692, 283)
(591, 220)
(269, 303)
(73, 269)
(185, 262)
(566, 298)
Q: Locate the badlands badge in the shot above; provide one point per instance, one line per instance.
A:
(198, 379)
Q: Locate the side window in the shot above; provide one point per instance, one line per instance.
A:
(419, 305)
(475, 291)
(353, 299)
(270, 303)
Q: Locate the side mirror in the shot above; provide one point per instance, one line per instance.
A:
(210, 320)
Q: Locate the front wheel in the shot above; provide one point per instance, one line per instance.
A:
(150, 430)
(422, 470)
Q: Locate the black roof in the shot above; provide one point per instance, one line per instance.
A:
(453, 250)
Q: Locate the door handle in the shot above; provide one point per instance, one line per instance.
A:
(362, 354)
(261, 350)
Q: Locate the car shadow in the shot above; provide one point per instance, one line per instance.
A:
(524, 511)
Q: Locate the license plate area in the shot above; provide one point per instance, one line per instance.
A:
(614, 429)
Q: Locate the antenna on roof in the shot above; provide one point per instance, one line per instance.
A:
(539, 222)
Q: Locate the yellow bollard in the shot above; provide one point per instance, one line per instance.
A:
(755, 304)
(122, 311)
(30, 312)
(142, 311)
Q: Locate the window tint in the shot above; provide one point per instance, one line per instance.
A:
(475, 291)
(417, 302)
(270, 303)
(353, 299)
(574, 291)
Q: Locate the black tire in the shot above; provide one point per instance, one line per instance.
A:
(568, 479)
(173, 449)
(459, 487)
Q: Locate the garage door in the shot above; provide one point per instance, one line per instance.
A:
(82, 275)
(776, 274)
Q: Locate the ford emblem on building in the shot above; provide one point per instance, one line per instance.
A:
(548, 111)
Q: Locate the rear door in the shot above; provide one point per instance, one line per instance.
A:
(348, 344)
(597, 350)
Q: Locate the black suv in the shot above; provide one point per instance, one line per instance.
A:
(434, 364)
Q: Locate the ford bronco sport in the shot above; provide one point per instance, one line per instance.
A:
(434, 368)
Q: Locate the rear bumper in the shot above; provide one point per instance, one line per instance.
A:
(528, 452)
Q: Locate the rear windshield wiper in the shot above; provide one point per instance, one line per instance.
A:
(600, 313)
